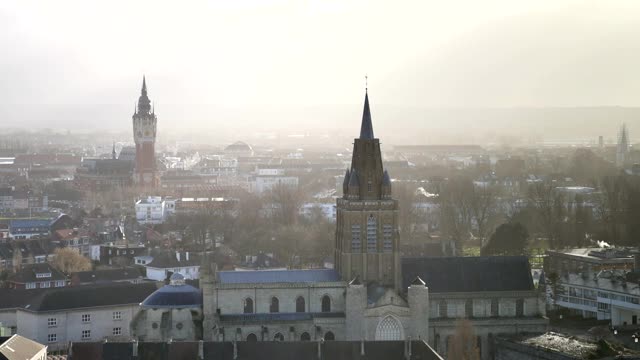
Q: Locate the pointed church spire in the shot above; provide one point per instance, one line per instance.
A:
(144, 85)
(113, 151)
(366, 129)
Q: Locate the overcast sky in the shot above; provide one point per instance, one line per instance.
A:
(293, 54)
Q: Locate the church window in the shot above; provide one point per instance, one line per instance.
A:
(387, 232)
(520, 307)
(369, 186)
(389, 329)
(494, 307)
(305, 336)
(275, 305)
(442, 308)
(356, 243)
(248, 306)
(329, 336)
(372, 241)
(252, 337)
(326, 303)
(468, 308)
(300, 306)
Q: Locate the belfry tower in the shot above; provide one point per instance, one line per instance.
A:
(367, 236)
(144, 135)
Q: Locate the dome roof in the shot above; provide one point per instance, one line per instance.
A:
(239, 146)
(175, 295)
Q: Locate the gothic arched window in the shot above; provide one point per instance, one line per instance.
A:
(300, 306)
(329, 336)
(520, 307)
(468, 308)
(442, 308)
(372, 231)
(305, 336)
(326, 303)
(248, 306)
(275, 305)
(389, 329)
(252, 337)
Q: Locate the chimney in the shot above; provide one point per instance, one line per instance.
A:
(178, 256)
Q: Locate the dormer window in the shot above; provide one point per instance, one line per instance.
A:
(43, 275)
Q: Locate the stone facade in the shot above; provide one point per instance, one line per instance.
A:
(367, 236)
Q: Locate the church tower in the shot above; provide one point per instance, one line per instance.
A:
(367, 236)
(144, 135)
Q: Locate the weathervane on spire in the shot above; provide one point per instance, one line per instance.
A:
(366, 83)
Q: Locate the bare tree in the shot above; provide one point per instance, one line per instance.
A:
(549, 209)
(483, 206)
(287, 200)
(455, 209)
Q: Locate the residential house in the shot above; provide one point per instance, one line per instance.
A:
(37, 276)
(165, 264)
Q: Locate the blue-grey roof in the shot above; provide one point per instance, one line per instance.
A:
(277, 276)
(174, 296)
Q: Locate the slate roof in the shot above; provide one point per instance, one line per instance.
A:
(277, 276)
(28, 274)
(169, 260)
(288, 350)
(19, 348)
(109, 275)
(469, 274)
(366, 128)
(41, 300)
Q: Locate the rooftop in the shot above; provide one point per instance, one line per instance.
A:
(278, 276)
(19, 348)
(64, 298)
(469, 274)
(244, 350)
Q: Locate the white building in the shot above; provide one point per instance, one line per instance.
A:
(55, 317)
(154, 210)
(266, 183)
(605, 296)
(165, 264)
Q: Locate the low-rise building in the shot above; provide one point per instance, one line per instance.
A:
(125, 274)
(588, 260)
(154, 210)
(605, 296)
(263, 184)
(37, 276)
(58, 316)
(165, 264)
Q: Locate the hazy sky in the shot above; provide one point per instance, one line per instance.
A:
(295, 54)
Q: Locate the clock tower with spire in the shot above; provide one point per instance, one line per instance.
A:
(144, 135)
